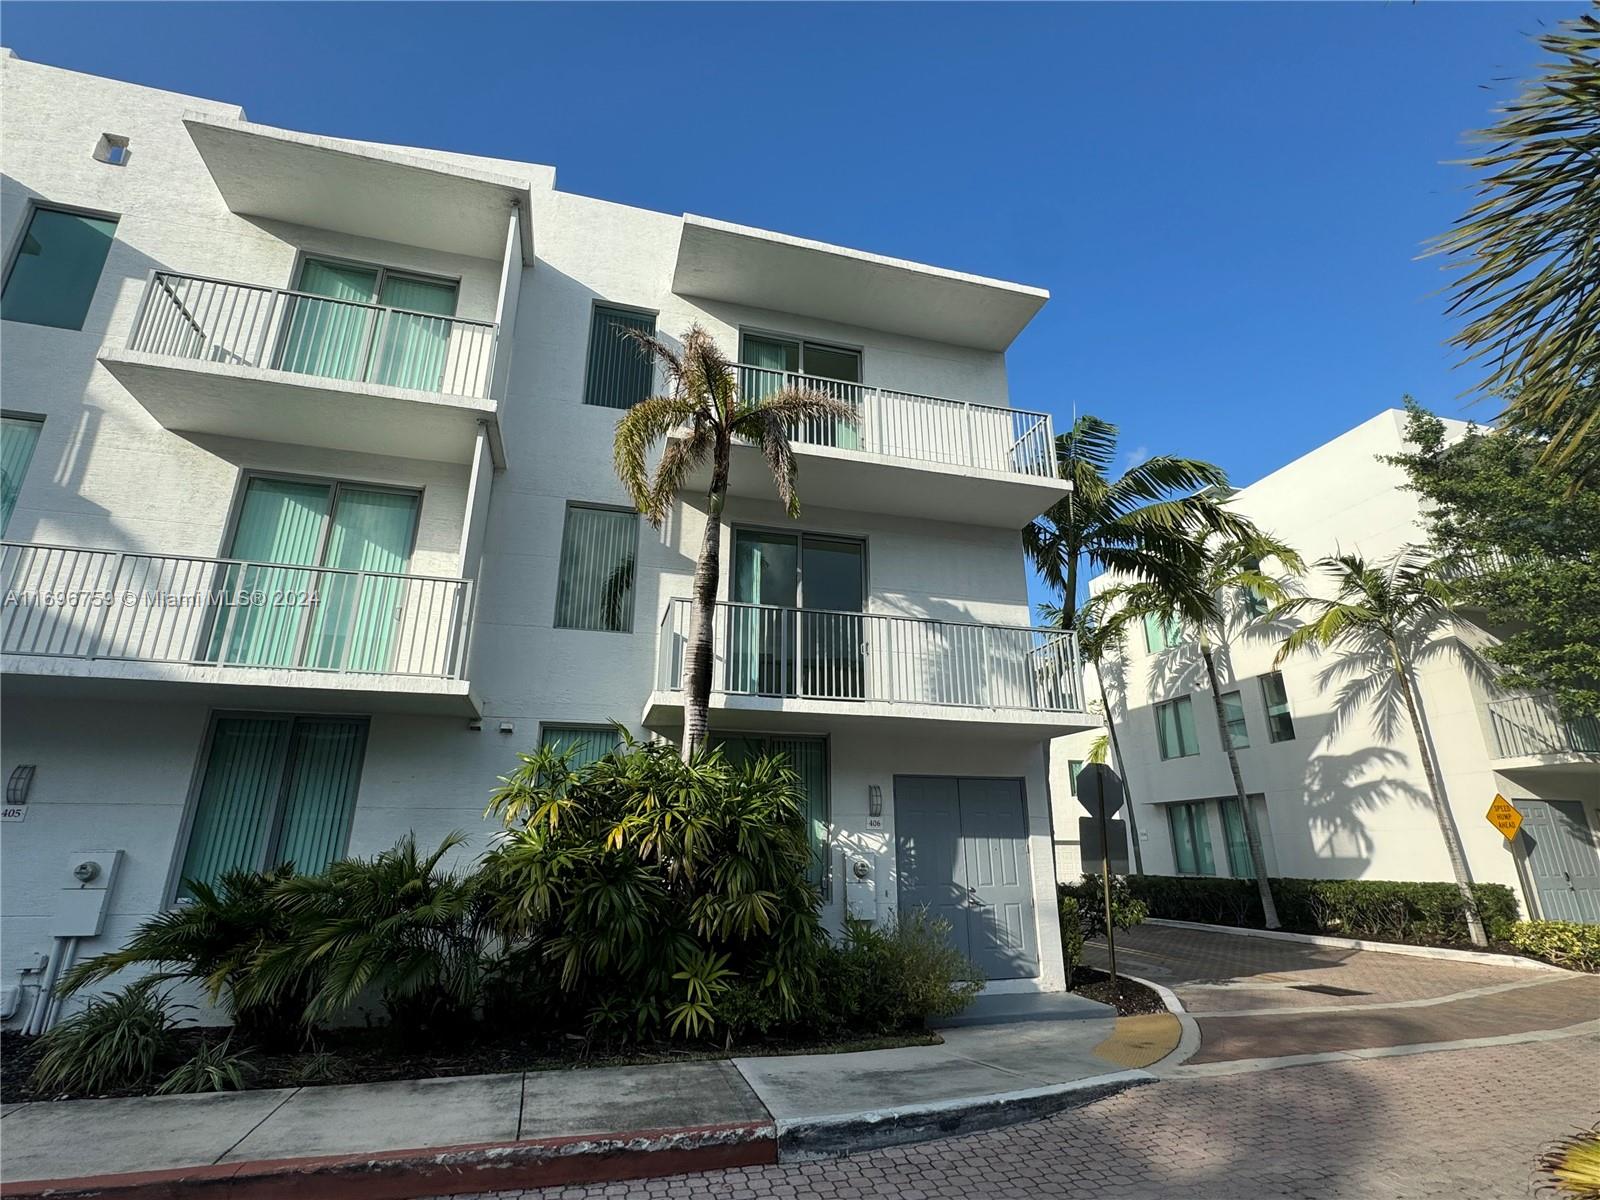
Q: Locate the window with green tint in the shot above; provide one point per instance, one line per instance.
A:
(595, 587)
(1255, 604)
(1239, 864)
(1233, 713)
(274, 789)
(18, 436)
(1161, 633)
(585, 743)
(808, 756)
(57, 268)
(1073, 767)
(618, 375)
(1280, 723)
(1175, 728)
(1191, 838)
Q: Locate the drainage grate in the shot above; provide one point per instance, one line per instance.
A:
(1327, 989)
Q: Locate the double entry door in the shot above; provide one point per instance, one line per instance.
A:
(341, 323)
(831, 369)
(795, 627)
(1563, 855)
(335, 600)
(961, 853)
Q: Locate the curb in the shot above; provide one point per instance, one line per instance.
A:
(1316, 939)
(806, 1138)
(439, 1170)
(1188, 1040)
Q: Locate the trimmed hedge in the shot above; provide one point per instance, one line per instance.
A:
(1565, 943)
(1422, 914)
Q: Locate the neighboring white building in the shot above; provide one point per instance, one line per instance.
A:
(243, 363)
(1345, 800)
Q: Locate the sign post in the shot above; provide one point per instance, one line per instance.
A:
(1100, 791)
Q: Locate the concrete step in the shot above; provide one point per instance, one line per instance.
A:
(1005, 1008)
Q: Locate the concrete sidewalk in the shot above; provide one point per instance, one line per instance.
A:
(437, 1136)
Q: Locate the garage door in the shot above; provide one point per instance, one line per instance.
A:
(961, 850)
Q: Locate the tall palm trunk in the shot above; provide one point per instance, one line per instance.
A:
(698, 651)
(1441, 809)
(1122, 768)
(1252, 837)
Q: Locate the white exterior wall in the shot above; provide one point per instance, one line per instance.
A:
(1343, 801)
(118, 772)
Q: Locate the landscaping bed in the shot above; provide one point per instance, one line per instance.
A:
(1130, 999)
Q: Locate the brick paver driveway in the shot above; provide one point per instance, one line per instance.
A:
(1461, 1124)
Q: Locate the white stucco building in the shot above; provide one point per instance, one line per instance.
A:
(1337, 795)
(326, 426)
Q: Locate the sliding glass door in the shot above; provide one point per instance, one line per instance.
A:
(793, 629)
(832, 370)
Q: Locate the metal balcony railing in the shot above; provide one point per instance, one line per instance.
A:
(1527, 726)
(824, 655)
(925, 428)
(66, 602)
(212, 320)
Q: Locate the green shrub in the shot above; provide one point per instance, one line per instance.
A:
(664, 898)
(1071, 932)
(118, 1041)
(1381, 910)
(1127, 909)
(1565, 943)
(214, 939)
(884, 980)
(212, 1068)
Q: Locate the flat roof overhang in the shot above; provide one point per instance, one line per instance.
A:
(663, 712)
(223, 399)
(234, 687)
(858, 481)
(361, 189)
(757, 268)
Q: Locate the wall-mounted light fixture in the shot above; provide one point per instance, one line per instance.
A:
(874, 800)
(18, 785)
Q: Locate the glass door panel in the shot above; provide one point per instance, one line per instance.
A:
(411, 347)
(330, 337)
(832, 636)
(760, 634)
(262, 621)
(827, 363)
(233, 812)
(357, 614)
(324, 772)
(772, 361)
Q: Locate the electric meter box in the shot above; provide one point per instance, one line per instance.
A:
(85, 893)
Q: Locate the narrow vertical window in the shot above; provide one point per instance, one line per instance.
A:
(1239, 864)
(18, 436)
(57, 268)
(1175, 728)
(1280, 723)
(1233, 713)
(1161, 633)
(595, 588)
(619, 375)
(1074, 765)
(1191, 839)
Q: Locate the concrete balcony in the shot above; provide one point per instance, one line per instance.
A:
(228, 633)
(1529, 732)
(785, 668)
(909, 455)
(211, 356)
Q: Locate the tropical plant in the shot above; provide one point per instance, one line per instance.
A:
(1529, 278)
(1139, 525)
(214, 1067)
(706, 407)
(1566, 943)
(1571, 1166)
(118, 1041)
(895, 977)
(1387, 613)
(214, 938)
(395, 925)
(658, 890)
(1220, 589)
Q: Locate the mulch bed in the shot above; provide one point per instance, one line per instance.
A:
(1130, 999)
(371, 1056)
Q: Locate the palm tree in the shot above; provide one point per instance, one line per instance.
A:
(1137, 525)
(1223, 581)
(1390, 608)
(703, 400)
(1529, 279)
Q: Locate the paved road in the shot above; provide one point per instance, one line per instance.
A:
(1463, 1125)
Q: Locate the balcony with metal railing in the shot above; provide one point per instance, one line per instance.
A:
(241, 360)
(771, 663)
(109, 622)
(1532, 729)
(910, 454)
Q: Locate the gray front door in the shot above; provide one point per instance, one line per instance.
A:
(1562, 859)
(961, 848)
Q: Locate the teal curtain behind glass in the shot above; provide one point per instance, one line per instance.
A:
(773, 356)
(280, 521)
(1239, 864)
(57, 269)
(325, 337)
(324, 773)
(18, 436)
(372, 531)
(595, 587)
(412, 349)
(586, 745)
(233, 813)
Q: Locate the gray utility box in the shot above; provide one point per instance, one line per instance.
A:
(85, 893)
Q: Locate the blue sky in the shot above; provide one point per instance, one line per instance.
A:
(1226, 202)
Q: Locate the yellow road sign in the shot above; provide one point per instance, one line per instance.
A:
(1504, 817)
